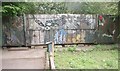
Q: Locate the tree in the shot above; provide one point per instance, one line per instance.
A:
(12, 9)
(93, 7)
(51, 8)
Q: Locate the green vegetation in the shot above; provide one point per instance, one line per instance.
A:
(51, 8)
(105, 47)
(100, 58)
(93, 7)
(72, 49)
(12, 9)
(17, 8)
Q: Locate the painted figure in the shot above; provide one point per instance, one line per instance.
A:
(60, 36)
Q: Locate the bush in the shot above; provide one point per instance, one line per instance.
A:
(72, 49)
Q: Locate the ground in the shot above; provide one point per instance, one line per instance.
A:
(88, 57)
(68, 57)
(23, 59)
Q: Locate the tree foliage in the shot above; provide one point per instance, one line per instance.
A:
(94, 7)
(52, 8)
(17, 8)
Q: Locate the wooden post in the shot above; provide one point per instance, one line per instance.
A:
(52, 57)
(51, 54)
(53, 48)
(24, 28)
(52, 63)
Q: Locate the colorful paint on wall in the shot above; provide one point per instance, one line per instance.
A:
(68, 28)
(107, 29)
(60, 36)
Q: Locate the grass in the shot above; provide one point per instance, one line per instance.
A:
(98, 58)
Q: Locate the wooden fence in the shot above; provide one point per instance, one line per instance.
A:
(80, 29)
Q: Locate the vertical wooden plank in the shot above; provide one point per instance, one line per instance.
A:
(67, 34)
(76, 36)
(71, 35)
(33, 36)
(48, 35)
(58, 36)
(28, 22)
(29, 37)
(53, 48)
(24, 28)
(39, 36)
(45, 34)
(62, 38)
(10, 36)
(80, 33)
(27, 29)
(53, 35)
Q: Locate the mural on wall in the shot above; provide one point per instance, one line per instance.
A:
(60, 28)
(67, 28)
(60, 36)
(13, 34)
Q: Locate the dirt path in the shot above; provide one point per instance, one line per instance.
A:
(24, 59)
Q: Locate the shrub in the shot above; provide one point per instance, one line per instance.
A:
(72, 49)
